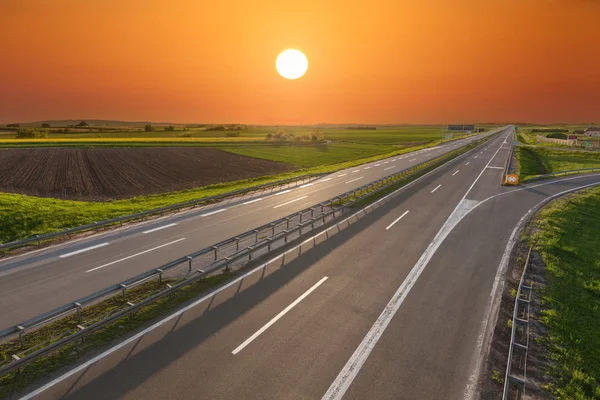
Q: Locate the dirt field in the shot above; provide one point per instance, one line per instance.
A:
(111, 173)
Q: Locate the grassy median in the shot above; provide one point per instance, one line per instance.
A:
(567, 233)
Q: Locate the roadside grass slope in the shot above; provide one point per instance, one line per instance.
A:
(567, 235)
(534, 161)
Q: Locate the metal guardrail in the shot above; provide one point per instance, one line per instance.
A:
(508, 161)
(559, 173)
(156, 211)
(521, 320)
(273, 239)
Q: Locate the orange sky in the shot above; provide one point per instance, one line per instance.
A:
(397, 61)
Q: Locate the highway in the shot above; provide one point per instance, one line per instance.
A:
(41, 280)
(397, 305)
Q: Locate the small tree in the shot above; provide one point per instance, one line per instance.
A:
(82, 124)
(45, 125)
(169, 128)
(12, 125)
(148, 128)
(269, 136)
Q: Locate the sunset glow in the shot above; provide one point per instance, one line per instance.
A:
(385, 62)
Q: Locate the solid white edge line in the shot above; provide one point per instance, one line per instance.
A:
(183, 310)
(280, 193)
(84, 250)
(160, 228)
(291, 201)
(135, 255)
(354, 180)
(278, 316)
(253, 201)
(396, 220)
(213, 212)
(436, 188)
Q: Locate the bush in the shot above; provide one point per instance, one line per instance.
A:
(12, 125)
(269, 136)
(148, 128)
(557, 135)
(82, 124)
(169, 128)
(45, 125)
(31, 134)
(233, 134)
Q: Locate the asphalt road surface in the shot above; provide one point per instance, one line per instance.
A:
(395, 306)
(36, 282)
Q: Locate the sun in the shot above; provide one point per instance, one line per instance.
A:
(291, 64)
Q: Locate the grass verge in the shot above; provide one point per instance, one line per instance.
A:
(33, 372)
(567, 234)
(535, 161)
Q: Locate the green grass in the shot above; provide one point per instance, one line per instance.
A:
(533, 161)
(311, 156)
(33, 372)
(567, 236)
(23, 216)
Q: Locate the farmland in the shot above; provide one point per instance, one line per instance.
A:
(111, 173)
(533, 161)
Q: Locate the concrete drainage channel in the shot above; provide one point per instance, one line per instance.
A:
(280, 237)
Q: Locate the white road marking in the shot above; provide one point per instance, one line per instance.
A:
(135, 255)
(254, 201)
(339, 176)
(386, 162)
(468, 163)
(393, 160)
(367, 167)
(83, 250)
(355, 171)
(455, 172)
(213, 212)
(475, 157)
(496, 167)
(354, 180)
(414, 159)
(325, 180)
(307, 185)
(393, 166)
(280, 193)
(377, 165)
(291, 201)
(160, 227)
(396, 220)
(436, 188)
(278, 316)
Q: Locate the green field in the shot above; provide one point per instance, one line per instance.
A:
(533, 161)
(567, 234)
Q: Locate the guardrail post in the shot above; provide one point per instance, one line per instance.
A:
(256, 235)
(287, 223)
(285, 232)
(124, 288)
(216, 251)
(250, 253)
(189, 258)
(78, 306)
(160, 272)
(237, 243)
(21, 335)
(272, 229)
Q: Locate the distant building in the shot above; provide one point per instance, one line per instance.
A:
(461, 127)
(593, 131)
(572, 137)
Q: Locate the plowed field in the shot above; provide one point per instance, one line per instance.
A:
(112, 173)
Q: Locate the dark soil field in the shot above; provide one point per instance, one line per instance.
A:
(112, 173)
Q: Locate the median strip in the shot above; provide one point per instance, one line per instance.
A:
(83, 250)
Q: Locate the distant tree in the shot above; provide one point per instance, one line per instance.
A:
(169, 128)
(557, 135)
(12, 125)
(82, 124)
(66, 130)
(233, 134)
(31, 134)
(148, 128)
(269, 135)
(45, 125)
